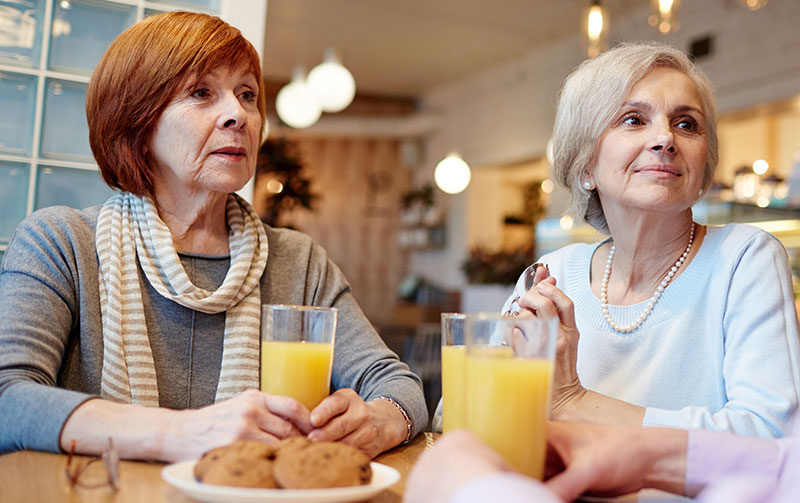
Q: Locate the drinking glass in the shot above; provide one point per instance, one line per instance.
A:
(297, 351)
(508, 371)
(453, 354)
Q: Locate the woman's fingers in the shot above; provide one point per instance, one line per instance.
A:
(538, 304)
(365, 439)
(337, 416)
(290, 410)
(572, 482)
(564, 305)
(541, 273)
(556, 304)
(277, 426)
(332, 406)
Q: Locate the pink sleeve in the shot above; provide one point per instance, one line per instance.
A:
(506, 487)
(713, 456)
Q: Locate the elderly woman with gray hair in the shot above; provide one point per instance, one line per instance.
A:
(667, 322)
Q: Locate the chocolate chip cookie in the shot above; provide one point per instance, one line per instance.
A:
(244, 463)
(320, 465)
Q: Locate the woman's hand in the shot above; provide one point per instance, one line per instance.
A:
(153, 433)
(252, 415)
(456, 459)
(545, 300)
(612, 461)
(372, 426)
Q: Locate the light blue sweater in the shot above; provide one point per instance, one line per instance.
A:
(718, 352)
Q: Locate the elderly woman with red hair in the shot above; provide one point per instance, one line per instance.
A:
(139, 320)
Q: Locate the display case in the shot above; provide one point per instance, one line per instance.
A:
(783, 223)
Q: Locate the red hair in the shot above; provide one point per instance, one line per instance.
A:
(140, 73)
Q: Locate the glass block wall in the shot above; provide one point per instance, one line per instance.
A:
(48, 49)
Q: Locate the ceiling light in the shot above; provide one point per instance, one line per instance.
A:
(595, 28)
(760, 167)
(664, 15)
(754, 4)
(331, 84)
(452, 174)
(295, 104)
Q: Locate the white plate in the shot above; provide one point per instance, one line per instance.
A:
(181, 475)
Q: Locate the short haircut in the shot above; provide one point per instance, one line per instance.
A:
(590, 99)
(140, 74)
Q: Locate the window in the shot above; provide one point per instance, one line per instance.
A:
(48, 49)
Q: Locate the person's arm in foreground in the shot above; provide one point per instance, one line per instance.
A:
(462, 469)
(608, 461)
(601, 460)
(598, 460)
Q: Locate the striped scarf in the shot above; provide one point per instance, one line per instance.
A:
(127, 223)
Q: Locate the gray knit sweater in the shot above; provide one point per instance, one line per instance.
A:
(51, 345)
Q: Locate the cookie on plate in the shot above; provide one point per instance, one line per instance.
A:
(244, 463)
(321, 465)
(292, 443)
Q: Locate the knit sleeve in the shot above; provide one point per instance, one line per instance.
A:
(37, 306)
(761, 354)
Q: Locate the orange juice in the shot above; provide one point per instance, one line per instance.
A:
(453, 387)
(301, 370)
(506, 406)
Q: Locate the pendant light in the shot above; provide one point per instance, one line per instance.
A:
(754, 4)
(664, 15)
(452, 174)
(595, 28)
(332, 85)
(295, 104)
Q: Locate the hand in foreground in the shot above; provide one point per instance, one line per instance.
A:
(252, 415)
(344, 416)
(609, 461)
(456, 459)
(545, 300)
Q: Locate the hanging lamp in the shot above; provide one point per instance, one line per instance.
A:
(295, 104)
(452, 175)
(331, 84)
(595, 29)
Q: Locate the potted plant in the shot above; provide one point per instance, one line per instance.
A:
(281, 167)
(491, 277)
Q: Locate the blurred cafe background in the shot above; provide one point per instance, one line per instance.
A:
(410, 138)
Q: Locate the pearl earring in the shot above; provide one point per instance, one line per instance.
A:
(700, 193)
(588, 185)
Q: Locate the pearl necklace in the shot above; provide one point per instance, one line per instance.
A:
(656, 295)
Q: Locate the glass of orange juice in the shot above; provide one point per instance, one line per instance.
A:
(297, 351)
(507, 373)
(453, 353)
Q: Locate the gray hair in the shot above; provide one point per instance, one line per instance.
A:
(590, 99)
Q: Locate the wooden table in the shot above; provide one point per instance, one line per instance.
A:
(30, 476)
